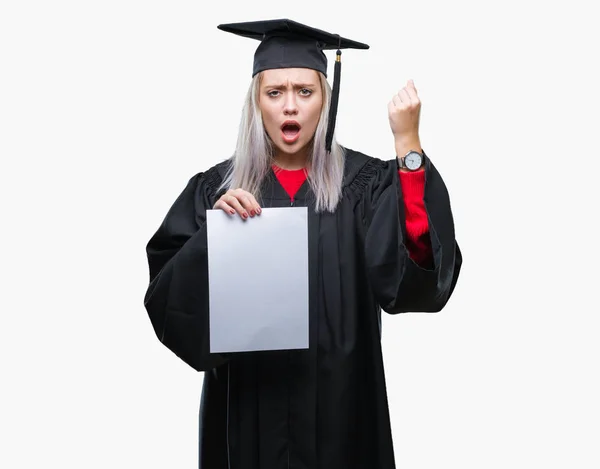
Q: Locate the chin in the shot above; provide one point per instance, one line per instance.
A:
(293, 149)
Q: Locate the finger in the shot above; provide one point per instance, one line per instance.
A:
(391, 107)
(245, 199)
(404, 96)
(222, 205)
(248, 201)
(235, 203)
(411, 84)
(412, 92)
(254, 203)
(397, 101)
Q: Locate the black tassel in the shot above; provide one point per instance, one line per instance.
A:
(334, 100)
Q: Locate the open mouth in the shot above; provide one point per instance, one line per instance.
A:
(290, 131)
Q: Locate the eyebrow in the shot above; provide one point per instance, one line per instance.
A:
(280, 86)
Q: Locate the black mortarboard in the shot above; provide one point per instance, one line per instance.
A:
(288, 44)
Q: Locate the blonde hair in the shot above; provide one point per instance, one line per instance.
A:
(253, 155)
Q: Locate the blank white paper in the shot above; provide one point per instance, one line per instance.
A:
(258, 280)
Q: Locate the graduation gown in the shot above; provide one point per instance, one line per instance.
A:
(324, 407)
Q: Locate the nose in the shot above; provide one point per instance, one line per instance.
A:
(290, 107)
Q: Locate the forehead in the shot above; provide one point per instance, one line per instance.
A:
(293, 75)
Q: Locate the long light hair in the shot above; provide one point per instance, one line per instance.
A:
(255, 150)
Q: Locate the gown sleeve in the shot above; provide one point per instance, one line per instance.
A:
(398, 282)
(177, 296)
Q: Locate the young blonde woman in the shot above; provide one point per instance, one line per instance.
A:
(381, 237)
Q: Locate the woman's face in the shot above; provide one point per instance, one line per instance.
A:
(290, 101)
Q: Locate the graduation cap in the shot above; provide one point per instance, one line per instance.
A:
(288, 44)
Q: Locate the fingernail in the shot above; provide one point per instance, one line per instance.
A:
(258, 210)
(245, 215)
(232, 211)
(252, 213)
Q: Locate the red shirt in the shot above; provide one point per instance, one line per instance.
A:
(413, 189)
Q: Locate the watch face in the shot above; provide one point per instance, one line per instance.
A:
(413, 161)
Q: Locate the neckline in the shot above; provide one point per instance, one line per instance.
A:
(278, 192)
(278, 169)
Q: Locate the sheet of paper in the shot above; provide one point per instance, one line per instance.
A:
(258, 280)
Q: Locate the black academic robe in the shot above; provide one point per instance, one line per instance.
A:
(324, 407)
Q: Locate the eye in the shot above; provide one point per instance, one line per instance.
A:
(305, 92)
(273, 93)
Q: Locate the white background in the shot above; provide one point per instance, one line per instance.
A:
(107, 108)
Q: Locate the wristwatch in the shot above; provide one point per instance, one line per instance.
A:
(412, 161)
